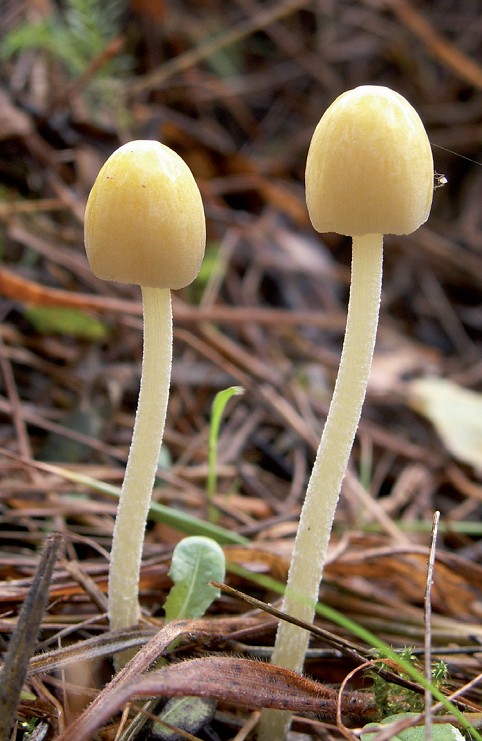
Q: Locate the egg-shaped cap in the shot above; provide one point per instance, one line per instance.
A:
(369, 168)
(144, 221)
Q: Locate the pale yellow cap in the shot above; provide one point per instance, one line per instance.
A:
(369, 168)
(144, 221)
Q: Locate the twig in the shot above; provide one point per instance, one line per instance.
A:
(428, 627)
(210, 46)
(460, 64)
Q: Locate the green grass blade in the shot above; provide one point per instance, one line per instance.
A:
(182, 521)
(217, 410)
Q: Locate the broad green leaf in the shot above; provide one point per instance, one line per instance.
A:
(456, 414)
(440, 731)
(195, 561)
(60, 320)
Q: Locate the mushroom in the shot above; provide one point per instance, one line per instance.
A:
(369, 172)
(144, 224)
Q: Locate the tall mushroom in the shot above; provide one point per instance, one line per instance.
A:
(144, 224)
(369, 172)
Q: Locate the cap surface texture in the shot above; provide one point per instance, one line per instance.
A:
(369, 167)
(144, 221)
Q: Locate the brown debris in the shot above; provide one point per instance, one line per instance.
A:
(237, 89)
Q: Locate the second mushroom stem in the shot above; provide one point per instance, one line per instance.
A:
(143, 459)
(324, 486)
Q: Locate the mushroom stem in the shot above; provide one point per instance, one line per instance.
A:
(143, 459)
(323, 490)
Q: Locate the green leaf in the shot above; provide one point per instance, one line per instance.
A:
(60, 320)
(195, 561)
(440, 731)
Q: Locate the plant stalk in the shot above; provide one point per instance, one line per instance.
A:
(324, 486)
(142, 461)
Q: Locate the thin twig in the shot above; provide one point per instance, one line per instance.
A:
(428, 627)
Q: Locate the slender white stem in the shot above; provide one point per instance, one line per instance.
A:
(324, 487)
(143, 459)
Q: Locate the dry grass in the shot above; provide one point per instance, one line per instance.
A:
(237, 88)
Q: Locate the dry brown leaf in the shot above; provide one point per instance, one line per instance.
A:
(456, 414)
(231, 679)
(399, 576)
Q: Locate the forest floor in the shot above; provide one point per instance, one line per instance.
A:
(237, 90)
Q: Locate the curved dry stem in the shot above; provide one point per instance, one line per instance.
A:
(324, 487)
(143, 459)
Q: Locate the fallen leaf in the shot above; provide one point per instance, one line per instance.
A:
(232, 679)
(456, 414)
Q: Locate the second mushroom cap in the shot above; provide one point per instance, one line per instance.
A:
(369, 168)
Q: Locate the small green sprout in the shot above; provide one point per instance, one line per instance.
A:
(196, 561)
(217, 410)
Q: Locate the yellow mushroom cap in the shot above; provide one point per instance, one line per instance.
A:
(369, 168)
(144, 221)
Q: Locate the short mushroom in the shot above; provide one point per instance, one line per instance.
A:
(144, 224)
(369, 172)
